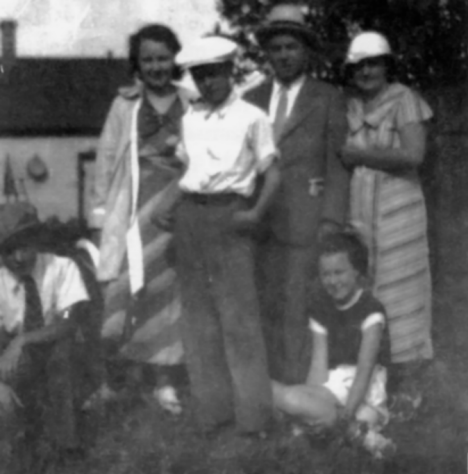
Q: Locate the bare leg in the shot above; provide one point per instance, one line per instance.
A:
(313, 404)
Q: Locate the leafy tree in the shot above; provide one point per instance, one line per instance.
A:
(429, 37)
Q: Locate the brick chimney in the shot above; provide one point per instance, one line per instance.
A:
(8, 29)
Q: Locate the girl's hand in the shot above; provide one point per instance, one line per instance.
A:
(349, 427)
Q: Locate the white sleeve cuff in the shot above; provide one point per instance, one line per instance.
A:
(374, 318)
(315, 326)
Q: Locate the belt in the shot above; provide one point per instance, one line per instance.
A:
(215, 199)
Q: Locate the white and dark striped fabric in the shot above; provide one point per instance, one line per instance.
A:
(389, 210)
(152, 317)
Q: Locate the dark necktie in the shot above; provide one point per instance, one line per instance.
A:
(33, 318)
(281, 114)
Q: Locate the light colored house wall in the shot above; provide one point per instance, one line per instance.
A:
(58, 195)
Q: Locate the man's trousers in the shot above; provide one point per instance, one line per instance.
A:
(224, 347)
(285, 274)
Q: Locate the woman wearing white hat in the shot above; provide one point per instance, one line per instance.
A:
(385, 146)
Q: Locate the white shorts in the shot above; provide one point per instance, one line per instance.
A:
(340, 381)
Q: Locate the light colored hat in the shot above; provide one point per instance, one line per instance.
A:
(285, 18)
(367, 45)
(209, 50)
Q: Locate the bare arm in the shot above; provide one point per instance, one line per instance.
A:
(270, 185)
(408, 156)
(10, 357)
(50, 333)
(318, 371)
(367, 360)
(165, 216)
(268, 191)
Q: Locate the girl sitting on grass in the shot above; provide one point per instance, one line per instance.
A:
(346, 383)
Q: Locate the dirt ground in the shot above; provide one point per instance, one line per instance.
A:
(134, 436)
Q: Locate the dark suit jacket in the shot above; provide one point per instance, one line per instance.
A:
(313, 134)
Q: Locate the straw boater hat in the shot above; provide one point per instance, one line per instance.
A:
(285, 19)
(208, 50)
(18, 223)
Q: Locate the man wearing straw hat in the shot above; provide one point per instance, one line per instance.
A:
(226, 144)
(309, 122)
(38, 292)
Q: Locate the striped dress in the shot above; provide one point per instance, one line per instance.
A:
(390, 212)
(152, 332)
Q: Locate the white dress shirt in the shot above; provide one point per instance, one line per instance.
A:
(225, 148)
(292, 89)
(59, 284)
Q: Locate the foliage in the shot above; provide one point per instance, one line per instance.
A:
(429, 37)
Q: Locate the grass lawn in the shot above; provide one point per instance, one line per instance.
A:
(134, 436)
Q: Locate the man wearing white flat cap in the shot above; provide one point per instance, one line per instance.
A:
(226, 145)
(309, 120)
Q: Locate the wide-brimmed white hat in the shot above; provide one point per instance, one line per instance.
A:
(208, 50)
(365, 45)
(285, 18)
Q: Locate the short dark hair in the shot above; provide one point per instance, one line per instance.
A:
(350, 243)
(154, 32)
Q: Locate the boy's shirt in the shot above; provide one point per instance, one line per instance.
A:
(225, 148)
(345, 325)
(59, 284)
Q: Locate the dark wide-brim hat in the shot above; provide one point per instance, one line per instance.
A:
(19, 224)
(285, 19)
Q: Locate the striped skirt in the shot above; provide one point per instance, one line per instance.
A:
(150, 320)
(390, 213)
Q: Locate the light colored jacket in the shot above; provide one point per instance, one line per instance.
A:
(115, 189)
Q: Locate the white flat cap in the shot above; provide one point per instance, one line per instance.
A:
(209, 50)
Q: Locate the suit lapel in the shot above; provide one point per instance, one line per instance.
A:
(261, 96)
(303, 105)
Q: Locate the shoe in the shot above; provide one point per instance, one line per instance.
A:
(167, 399)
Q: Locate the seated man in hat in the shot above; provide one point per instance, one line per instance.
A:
(38, 293)
(226, 144)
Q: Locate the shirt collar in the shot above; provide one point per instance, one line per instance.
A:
(292, 87)
(37, 272)
(352, 302)
(383, 105)
(220, 111)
